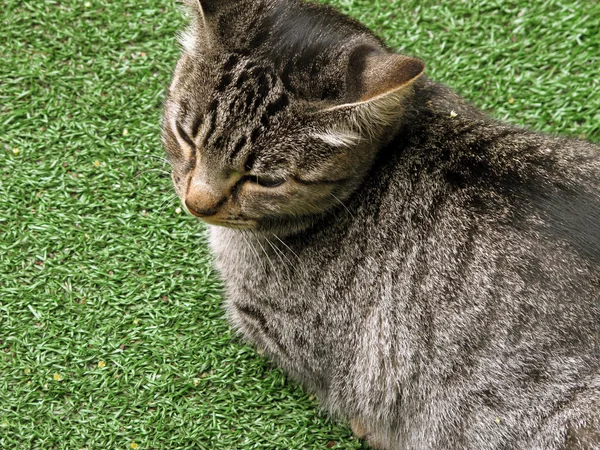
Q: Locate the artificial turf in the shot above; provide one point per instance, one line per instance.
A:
(111, 331)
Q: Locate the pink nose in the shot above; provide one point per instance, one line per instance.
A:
(202, 205)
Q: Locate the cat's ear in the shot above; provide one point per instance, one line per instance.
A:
(207, 9)
(200, 33)
(201, 9)
(378, 86)
(373, 74)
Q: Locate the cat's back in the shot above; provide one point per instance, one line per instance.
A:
(493, 205)
(545, 189)
(493, 236)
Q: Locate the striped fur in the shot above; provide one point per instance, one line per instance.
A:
(432, 275)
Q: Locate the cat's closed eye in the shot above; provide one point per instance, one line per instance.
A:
(267, 181)
(186, 137)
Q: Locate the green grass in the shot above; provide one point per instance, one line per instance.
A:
(111, 331)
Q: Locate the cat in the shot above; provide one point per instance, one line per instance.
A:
(432, 275)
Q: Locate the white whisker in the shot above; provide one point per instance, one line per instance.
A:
(287, 246)
(169, 198)
(155, 169)
(345, 207)
(259, 261)
(269, 260)
(279, 253)
(160, 158)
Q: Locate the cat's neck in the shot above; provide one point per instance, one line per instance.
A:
(438, 118)
(438, 107)
(295, 226)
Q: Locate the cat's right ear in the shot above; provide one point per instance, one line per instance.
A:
(379, 84)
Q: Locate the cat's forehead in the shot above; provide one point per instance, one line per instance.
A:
(227, 110)
(234, 75)
(247, 94)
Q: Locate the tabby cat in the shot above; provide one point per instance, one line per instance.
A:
(430, 274)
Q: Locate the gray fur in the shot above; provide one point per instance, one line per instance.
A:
(432, 275)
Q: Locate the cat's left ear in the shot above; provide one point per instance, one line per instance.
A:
(202, 9)
(206, 8)
(204, 12)
(379, 84)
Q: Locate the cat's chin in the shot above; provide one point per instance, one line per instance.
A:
(286, 226)
(233, 224)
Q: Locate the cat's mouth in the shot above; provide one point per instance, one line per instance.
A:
(239, 224)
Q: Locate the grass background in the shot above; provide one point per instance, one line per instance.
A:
(111, 332)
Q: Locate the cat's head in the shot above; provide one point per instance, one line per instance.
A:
(277, 109)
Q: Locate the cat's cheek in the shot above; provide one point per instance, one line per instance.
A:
(254, 202)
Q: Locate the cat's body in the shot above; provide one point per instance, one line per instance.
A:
(452, 304)
(449, 298)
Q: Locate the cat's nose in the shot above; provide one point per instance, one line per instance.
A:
(203, 205)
